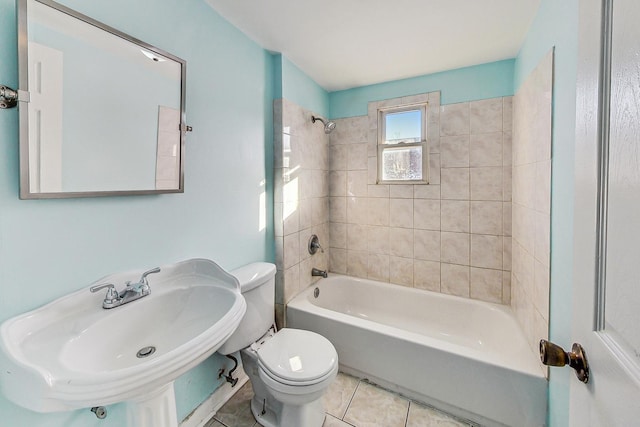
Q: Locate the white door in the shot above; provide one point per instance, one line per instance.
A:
(46, 85)
(606, 311)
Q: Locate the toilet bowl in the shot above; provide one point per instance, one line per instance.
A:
(289, 369)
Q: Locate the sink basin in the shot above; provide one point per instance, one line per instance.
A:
(72, 353)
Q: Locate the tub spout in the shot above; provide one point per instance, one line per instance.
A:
(318, 272)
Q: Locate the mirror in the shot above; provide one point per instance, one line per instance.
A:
(105, 112)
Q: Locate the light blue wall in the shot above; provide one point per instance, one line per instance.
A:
(463, 84)
(556, 24)
(296, 86)
(51, 247)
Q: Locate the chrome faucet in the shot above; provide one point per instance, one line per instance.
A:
(317, 272)
(131, 292)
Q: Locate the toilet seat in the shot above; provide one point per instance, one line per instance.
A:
(297, 357)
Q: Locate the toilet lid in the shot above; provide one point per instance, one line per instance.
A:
(297, 355)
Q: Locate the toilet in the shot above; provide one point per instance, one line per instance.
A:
(289, 369)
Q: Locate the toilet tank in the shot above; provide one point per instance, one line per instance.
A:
(258, 285)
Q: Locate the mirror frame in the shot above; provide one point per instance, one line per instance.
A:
(25, 189)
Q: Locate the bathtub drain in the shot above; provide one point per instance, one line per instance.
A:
(145, 352)
(316, 292)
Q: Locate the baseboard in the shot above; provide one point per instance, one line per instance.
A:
(207, 409)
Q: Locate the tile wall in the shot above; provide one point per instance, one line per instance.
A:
(532, 202)
(450, 236)
(301, 199)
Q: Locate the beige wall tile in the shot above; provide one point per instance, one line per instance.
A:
(401, 242)
(542, 201)
(455, 215)
(435, 173)
(337, 235)
(372, 170)
(378, 240)
(305, 213)
(507, 149)
(401, 213)
(486, 285)
(507, 183)
(377, 211)
(378, 267)
(338, 209)
(401, 191)
(357, 210)
(378, 190)
(401, 271)
(426, 245)
(454, 279)
(454, 151)
(426, 214)
(454, 119)
(319, 210)
(506, 287)
(507, 113)
(356, 184)
(338, 261)
(305, 236)
(350, 130)
(357, 262)
(455, 183)
(486, 115)
(357, 237)
(485, 149)
(400, 224)
(426, 275)
(541, 289)
(291, 283)
(486, 183)
(455, 248)
(542, 246)
(291, 218)
(486, 251)
(357, 157)
(486, 218)
(506, 253)
(291, 250)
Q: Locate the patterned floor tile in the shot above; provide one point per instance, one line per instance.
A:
(237, 411)
(423, 416)
(339, 395)
(374, 407)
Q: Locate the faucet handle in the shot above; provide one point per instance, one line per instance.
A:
(143, 278)
(112, 294)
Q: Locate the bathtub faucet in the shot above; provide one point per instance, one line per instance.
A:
(317, 272)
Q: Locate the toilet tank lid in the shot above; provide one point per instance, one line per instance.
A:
(254, 275)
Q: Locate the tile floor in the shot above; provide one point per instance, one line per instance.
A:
(349, 403)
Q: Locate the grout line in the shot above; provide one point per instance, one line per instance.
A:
(406, 420)
(350, 400)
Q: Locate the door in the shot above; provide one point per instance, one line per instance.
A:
(606, 312)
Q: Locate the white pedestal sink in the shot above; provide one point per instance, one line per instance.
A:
(72, 353)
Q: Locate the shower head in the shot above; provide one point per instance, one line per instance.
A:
(328, 126)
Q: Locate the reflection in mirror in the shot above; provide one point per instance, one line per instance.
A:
(106, 111)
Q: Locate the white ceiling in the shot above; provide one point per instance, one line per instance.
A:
(349, 43)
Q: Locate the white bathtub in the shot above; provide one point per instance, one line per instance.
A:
(466, 357)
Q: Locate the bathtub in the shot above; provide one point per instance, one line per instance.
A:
(466, 357)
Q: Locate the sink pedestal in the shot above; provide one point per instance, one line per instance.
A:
(154, 409)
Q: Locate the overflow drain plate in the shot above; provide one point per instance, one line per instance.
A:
(145, 352)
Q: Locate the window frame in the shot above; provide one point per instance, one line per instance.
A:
(423, 143)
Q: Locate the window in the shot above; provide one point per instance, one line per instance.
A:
(402, 144)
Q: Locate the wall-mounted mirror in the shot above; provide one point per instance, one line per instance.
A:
(105, 114)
